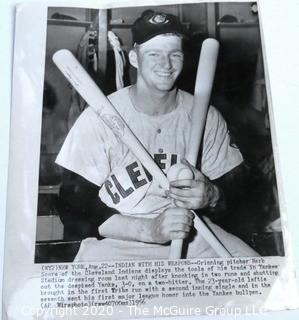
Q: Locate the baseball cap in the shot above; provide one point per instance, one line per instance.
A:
(151, 24)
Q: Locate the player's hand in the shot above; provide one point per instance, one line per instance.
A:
(194, 194)
(173, 223)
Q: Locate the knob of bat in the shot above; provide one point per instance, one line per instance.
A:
(179, 171)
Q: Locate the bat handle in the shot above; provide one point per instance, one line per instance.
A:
(176, 249)
(177, 245)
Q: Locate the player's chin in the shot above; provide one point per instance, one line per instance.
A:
(165, 85)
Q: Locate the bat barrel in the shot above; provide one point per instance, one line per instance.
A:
(78, 77)
(202, 93)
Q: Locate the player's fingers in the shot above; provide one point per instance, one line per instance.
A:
(187, 193)
(194, 190)
(178, 227)
(186, 219)
(185, 197)
(183, 218)
(181, 183)
(173, 212)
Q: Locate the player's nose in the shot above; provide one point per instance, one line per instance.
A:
(166, 61)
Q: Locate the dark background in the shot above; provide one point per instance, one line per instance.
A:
(239, 94)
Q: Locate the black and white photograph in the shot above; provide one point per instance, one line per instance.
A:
(156, 136)
(145, 165)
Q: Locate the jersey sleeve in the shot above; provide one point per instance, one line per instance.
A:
(84, 151)
(219, 154)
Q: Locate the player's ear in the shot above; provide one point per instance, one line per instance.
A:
(133, 58)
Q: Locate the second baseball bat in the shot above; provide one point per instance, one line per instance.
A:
(202, 93)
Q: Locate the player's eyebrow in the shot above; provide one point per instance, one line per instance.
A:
(163, 50)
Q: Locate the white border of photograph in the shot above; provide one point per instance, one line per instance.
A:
(25, 135)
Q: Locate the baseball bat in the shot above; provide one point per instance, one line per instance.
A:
(90, 92)
(202, 93)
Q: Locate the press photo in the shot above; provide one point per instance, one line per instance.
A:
(143, 164)
(71, 206)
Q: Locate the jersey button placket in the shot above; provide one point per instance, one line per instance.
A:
(160, 150)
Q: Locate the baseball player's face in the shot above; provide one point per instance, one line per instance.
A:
(159, 62)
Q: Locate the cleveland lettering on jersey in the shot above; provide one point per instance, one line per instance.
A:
(136, 174)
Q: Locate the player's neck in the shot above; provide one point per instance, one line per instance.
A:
(153, 103)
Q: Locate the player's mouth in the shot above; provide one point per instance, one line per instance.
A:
(164, 74)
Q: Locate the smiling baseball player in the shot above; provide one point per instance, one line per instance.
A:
(159, 114)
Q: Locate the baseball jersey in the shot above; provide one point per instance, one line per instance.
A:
(94, 152)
